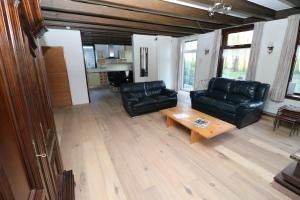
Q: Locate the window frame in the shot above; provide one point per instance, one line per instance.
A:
(182, 56)
(294, 96)
(224, 46)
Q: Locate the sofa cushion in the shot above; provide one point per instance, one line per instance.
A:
(145, 101)
(237, 99)
(164, 99)
(244, 88)
(217, 94)
(216, 104)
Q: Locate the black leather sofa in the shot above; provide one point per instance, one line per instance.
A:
(145, 97)
(237, 102)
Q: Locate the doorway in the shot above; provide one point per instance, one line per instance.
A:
(107, 67)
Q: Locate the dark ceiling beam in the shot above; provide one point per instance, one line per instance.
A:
(87, 43)
(246, 7)
(96, 28)
(293, 3)
(160, 7)
(106, 40)
(84, 34)
(107, 37)
(117, 13)
(67, 17)
(287, 12)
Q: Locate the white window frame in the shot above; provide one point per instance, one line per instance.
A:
(184, 40)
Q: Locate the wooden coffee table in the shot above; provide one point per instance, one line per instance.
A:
(215, 127)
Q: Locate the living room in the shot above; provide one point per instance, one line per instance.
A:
(158, 99)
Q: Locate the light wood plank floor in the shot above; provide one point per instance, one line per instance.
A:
(117, 157)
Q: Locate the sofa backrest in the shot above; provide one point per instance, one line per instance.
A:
(143, 89)
(219, 88)
(237, 91)
(134, 89)
(154, 87)
(242, 91)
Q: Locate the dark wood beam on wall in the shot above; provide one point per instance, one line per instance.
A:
(293, 3)
(287, 12)
(96, 28)
(89, 34)
(246, 7)
(107, 37)
(67, 17)
(107, 41)
(118, 13)
(160, 7)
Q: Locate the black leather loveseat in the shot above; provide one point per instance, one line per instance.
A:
(237, 102)
(145, 97)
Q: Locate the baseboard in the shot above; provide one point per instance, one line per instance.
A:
(269, 114)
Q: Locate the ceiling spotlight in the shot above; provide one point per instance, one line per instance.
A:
(68, 27)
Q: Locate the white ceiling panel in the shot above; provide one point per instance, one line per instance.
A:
(273, 4)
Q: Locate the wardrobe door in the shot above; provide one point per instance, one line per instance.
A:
(28, 138)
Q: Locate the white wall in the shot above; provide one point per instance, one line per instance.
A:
(167, 47)
(148, 41)
(162, 58)
(70, 40)
(274, 32)
(205, 42)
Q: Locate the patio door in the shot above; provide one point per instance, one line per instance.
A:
(189, 58)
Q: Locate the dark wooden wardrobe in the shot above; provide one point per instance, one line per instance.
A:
(30, 160)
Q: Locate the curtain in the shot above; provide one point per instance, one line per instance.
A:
(255, 49)
(215, 54)
(286, 59)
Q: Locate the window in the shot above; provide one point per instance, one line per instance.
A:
(189, 64)
(294, 81)
(89, 57)
(235, 52)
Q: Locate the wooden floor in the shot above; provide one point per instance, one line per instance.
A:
(117, 157)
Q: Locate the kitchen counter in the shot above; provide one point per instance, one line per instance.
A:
(111, 67)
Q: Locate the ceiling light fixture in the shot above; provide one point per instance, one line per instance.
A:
(219, 7)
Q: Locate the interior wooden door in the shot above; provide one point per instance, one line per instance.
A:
(57, 76)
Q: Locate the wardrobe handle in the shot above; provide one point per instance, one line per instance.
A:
(41, 155)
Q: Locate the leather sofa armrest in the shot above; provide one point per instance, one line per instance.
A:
(198, 93)
(252, 105)
(169, 92)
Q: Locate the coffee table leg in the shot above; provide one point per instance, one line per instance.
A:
(195, 137)
(170, 122)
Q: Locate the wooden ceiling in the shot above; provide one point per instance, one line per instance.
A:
(114, 21)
